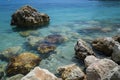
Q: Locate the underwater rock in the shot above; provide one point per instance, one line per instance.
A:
(117, 38)
(82, 50)
(10, 52)
(89, 60)
(55, 39)
(71, 72)
(46, 47)
(33, 40)
(105, 45)
(22, 63)
(100, 69)
(116, 53)
(39, 74)
(16, 77)
(113, 74)
(27, 16)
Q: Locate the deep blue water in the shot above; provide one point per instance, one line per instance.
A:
(72, 18)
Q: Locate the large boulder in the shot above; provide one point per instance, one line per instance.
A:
(82, 49)
(116, 53)
(104, 45)
(89, 60)
(22, 63)
(28, 17)
(39, 74)
(71, 72)
(100, 69)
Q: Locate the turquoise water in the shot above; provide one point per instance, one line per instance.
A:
(73, 19)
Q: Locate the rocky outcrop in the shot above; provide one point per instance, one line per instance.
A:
(82, 49)
(22, 63)
(39, 74)
(29, 17)
(100, 69)
(89, 60)
(105, 45)
(71, 72)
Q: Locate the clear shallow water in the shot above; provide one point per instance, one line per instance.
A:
(71, 18)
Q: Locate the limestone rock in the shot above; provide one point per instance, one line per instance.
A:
(89, 60)
(22, 63)
(105, 45)
(39, 74)
(82, 49)
(27, 16)
(100, 69)
(71, 72)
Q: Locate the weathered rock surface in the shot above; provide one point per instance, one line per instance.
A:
(105, 45)
(16, 77)
(113, 74)
(22, 63)
(71, 72)
(116, 53)
(46, 48)
(82, 49)
(89, 60)
(100, 69)
(117, 38)
(39, 74)
(28, 17)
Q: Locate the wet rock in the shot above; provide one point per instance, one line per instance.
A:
(16, 77)
(22, 63)
(1, 75)
(12, 51)
(100, 69)
(113, 74)
(89, 60)
(46, 47)
(27, 16)
(71, 72)
(105, 45)
(117, 38)
(39, 74)
(116, 53)
(55, 39)
(33, 40)
(82, 49)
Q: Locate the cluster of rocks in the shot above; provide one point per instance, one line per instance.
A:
(28, 17)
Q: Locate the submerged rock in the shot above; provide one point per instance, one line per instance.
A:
(22, 63)
(82, 50)
(16, 77)
(71, 72)
(100, 69)
(89, 60)
(46, 48)
(39, 74)
(28, 16)
(105, 45)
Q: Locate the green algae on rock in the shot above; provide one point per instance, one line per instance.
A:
(22, 63)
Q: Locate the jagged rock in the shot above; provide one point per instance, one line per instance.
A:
(27, 16)
(89, 60)
(22, 63)
(105, 45)
(116, 53)
(71, 72)
(46, 47)
(82, 49)
(12, 51)
(39, 74)
(100, 69)
(16, 77)
(117, 38)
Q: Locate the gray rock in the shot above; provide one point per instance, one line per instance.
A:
(71, 72)
(28, 17)
(100, 69)
(82, 49)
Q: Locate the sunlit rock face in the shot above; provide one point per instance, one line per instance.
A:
(27, 16)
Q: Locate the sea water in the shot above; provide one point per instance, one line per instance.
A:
(74, 19)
